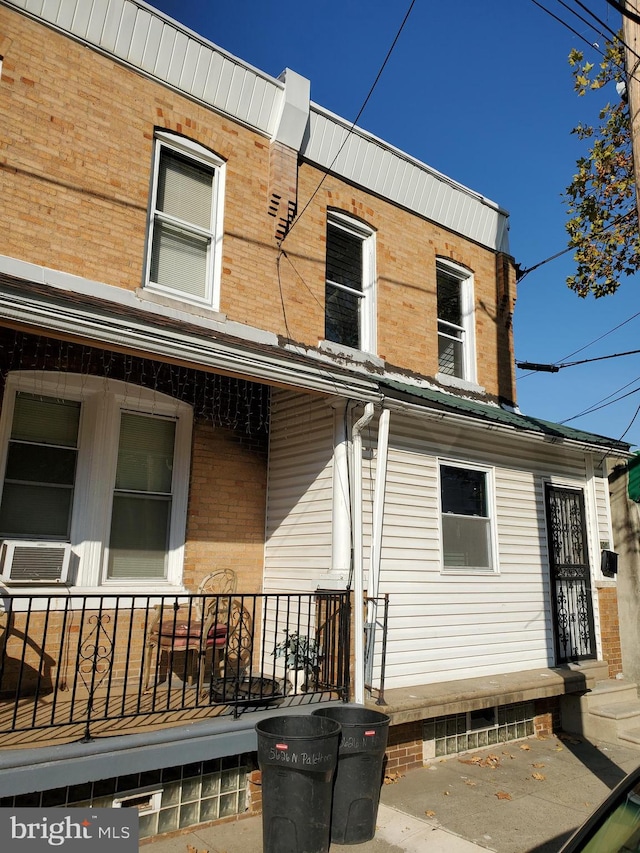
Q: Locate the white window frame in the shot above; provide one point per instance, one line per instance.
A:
(103, 400)
(199, 154)
(367, 313)
(489, 474)
(467, 327)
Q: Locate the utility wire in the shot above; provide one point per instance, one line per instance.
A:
(355, 121)
(574, 246)
(604, 406)
(607, 400)
(626, 13)
(554, 368)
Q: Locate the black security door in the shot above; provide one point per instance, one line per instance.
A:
(570, 575)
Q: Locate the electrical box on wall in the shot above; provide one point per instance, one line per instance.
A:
(609, 563)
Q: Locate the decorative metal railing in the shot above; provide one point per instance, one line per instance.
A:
(82, 662)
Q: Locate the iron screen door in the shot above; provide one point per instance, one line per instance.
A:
(570, 575)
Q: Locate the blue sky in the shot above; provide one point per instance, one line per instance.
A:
(481, 91)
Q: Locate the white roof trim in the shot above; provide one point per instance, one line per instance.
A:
(145, 39)
(256, 357)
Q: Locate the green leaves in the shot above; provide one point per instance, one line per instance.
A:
(601, 198)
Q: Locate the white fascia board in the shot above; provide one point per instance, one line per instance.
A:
(278, 109)
(55, 314)
(331, 145)
(418, 410)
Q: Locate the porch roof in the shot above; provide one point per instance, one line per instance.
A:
(402, 393)
(58, 304)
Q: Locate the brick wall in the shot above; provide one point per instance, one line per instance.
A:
(226, 512)
(404, 747)
(610, 628)
(75, 167)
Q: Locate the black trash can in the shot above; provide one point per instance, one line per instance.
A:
(297, 756)
(358, 779)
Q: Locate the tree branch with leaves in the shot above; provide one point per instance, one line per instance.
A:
(601, 198)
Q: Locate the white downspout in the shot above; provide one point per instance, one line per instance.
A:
(376, 534)
(358, 577)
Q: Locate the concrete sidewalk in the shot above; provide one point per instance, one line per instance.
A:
(522, 797)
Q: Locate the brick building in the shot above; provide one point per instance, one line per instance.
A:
(238, 334)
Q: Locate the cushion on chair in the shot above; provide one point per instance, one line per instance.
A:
(182, 632)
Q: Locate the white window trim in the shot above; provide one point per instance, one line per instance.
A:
(469, 364)
(198, 153)
(98, 436)
(368, 331)
(489, 473)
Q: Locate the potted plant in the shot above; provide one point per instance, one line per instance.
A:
(301, 655)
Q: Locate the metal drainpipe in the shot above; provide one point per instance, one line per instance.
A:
(358, 578)
(376, 537)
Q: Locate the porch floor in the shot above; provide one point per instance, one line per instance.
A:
(408, 704)
(29, 725)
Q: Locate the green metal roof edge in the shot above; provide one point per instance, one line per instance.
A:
(498, 415)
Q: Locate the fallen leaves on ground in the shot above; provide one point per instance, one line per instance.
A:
(539, 777)
(430, 813)
(470, 783)
(392, 778)
(192, 849)
(538, 764)
(525, 746)
(482, 761)
(502, 795)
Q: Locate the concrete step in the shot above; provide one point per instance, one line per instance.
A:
(609, 712)
(618, 711)
(629, 736)
(613, 690)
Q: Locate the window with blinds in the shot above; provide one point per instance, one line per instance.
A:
(184, 221)
(142, 498)
(37, 496)
(466, 520)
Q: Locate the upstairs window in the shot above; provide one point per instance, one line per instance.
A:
(186, 221)
(350, 283)
(456, 351)
(466, 518)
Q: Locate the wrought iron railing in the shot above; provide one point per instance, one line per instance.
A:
(82, 661)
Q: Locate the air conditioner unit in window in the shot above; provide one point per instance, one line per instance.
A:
(24, 561)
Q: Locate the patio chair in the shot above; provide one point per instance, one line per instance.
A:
(235, 665)
(194, 629)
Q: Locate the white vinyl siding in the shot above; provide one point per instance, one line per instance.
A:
(443, 626)
(299, 507)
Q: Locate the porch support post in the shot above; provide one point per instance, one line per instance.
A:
(358, 579)
(340, 513)
(376, 540)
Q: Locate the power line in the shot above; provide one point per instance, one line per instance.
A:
(574, 246)
(355, 121)
(598, 408)
(554, 368)
(595, 406)
(626, 13)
